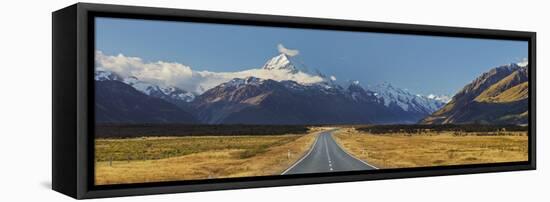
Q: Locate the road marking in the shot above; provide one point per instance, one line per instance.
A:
(328, 153)
(305, 156)
(337, 144)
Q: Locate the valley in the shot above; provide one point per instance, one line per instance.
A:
(286, 118)
(285, 92)
(240, 151)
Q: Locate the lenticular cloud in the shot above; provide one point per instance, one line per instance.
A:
(289, 52)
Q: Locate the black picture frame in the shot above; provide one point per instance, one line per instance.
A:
(73, 97)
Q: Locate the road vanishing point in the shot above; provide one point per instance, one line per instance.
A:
(327, 156)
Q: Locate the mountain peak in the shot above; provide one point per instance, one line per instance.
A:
(284, 62)
(103, 75)
(237, 82)
(281, 61)
(353, 84)
(406, 100)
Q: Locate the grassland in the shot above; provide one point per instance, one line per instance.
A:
(155, 159)
(403, 150)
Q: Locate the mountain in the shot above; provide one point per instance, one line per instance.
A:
(118, 102)
(258, 101)
(405, 100)
(254, 100)
(174, 95)
(499, 96)
(285, 62)
(284, 95)
(103, 75)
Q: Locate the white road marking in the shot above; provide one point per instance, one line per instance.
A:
(352, 155)
(328, 153)
(305, 156)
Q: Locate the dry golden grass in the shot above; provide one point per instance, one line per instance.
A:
(403, 150)
(197, 157)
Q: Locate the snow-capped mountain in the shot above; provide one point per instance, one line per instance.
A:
(285, 62)
(285, 91)
(385, 92)
(158, 91)
(235, 83)
(266, 101)
(404, 99)
(170, 93)
(103, 75)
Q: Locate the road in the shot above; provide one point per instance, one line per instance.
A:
(327, 156)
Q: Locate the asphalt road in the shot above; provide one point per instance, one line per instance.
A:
(327, 156)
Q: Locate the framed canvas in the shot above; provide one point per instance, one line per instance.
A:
(156, 100)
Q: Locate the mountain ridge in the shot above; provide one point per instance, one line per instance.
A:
(497, 96)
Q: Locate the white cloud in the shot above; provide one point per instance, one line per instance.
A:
(333, 78)
(524, 62)
(182, 76)
(442, 98)
(289, 52)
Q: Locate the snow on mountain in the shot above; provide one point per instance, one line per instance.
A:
(102, 75)
(404, 99)
(178, 94)
(285, 62)
(164, 92)
(279, 68)
(284, 67)
(141, 86)
(359, 94)
(238, 82)
(280, 61)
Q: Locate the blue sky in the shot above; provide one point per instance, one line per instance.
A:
(422, 64)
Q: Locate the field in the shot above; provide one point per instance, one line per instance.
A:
(155, 159)
(151, 153)
(384, 147)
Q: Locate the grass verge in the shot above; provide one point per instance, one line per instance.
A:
(403, 150)
(141, 160)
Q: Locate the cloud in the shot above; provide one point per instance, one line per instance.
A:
(175, 74)
(333, 78)
(523, 62)
(159, 72)
(289, 52)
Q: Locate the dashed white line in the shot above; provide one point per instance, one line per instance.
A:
(337, 144)
(328, 154)
(305, 156)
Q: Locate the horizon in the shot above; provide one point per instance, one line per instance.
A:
(419, 64)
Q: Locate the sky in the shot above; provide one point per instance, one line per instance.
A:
(421, 64)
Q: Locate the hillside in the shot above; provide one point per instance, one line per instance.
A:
(499, 96)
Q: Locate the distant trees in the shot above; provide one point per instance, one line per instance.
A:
(457, 128)
(141, 130)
